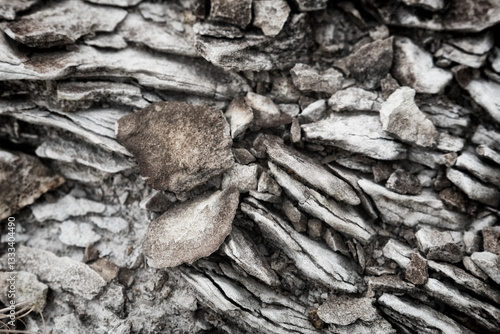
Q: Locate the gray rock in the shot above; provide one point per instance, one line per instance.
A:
(413, 67)
(73, 19)
(401, 117)
(307, 79)
(491, 239)
(230, 11)
(310, 5)
(474, 269)
(77, 234)
(27, 286)
(433, 5)
(239, 115)
(314, 112)
(471, 163)
(446, 246)
(431, 158)
(475, 189)
(483, 136)
(344, 310)
(119, 3)
(266, 113)
(315, 228)
(403, 183)
(354, 99)
(334, 240)
(267, 184)
(243, 156)
(477, 44)
(107, 40)
(295, 132)
(486, 152)
(65, 207)
(68, 323)
(242, 177)
(449, 143)
(416, 271)
(114, 299)
(190, 230)
(270, 16)
(266, 197)
(193, 144)
(23, 179)
(9, 9)
(112, 224)
(297, 218)
(488, 263)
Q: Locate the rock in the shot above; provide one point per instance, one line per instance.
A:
(491, 240)
(474, 269)
(370, 63)
(307, 79)
(266, 197)
(486, 152)
(266, 113)
(119, 3)
(107, 40)
(78, 234)
(425, 208)
(457, 200)
(107, 269)
(68, 323)
(446, 246)
(470, 162)
(112, 224)
(486, 94)
(486, 137)
(431, 159)
(267, 184)
(166, 165)
(489, 263)
(270, 16)
(449, 143)
(230, 11)
(242, 177)
(9, 9)
(432, 5)
(382, 171)
(66, 207)
(344, 310)
(243, 156)
(73, 19)
(388, 85)
(91, 254)
(295, 132)
(314, 112)
(190, 230)
(334, 240)
(354, 99)
(60, 272)
(27, 287)
(403, 183)
(454, 54)
(239, 115)
(356, 132)
(113, 299)
(314, 228)
(125, 277)
(413, 67)
(23, 179)
(416, 271)
(310, 5)
(308, 169)
(401, 117)
(297, 218)
(474, 188)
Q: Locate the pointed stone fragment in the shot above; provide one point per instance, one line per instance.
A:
(239, 115)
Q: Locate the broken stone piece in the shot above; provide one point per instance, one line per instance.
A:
(237, 12)
(403, 183)
(310, 5)
(9, 9)
(27, 287)
(190, 230)
(266, 113)
(413, 67)
(295, 132)
(270, 16)
(416, 271)
(65, 207)
(78, 234)
(267, 184)
(475, 189)
(243, 156)
(107, 40)
(344, 310)
(354, 99)
(491, 239)
(239, 116)
(307, 79)
(470, 162)
(433, 5)
(243, 177)
(458, 200)
(401, 117)
(62, 23)
(119, 3)
(487, 94)
(107, 269)
(486, 152)
(23, 179)
(296, 217)
(315, 228)
(489, 263)
(445, 246)
(178, 146)
(314, 112)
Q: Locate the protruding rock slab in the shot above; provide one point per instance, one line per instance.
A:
(62, 23)
(178, 146)
(306, 78)
(23, 179)
(191, 230)
(446, 246)
(237, 12)
(9, 9)
(344, 310)
(29, 288)
(401, 117)
(270, 16)
(489, 263)
(239, 116)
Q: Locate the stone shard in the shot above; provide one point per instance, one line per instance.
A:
(487, 94)
(356, 132)
(354, 99)
(425, 208)
(237, 12)
(243, 177)
(119, 3)
(267, 184)
(445, 246)
(60, 272)
(62, 23)
(243, 156)
(489, 263)
(266, 113)
(403, 183)
(9, 9)
(344, 310)
(178, 146)
(413, 67)
(308, 79)
(475, 189)
(65, 207)
(23, 179)
(28, 287)
(239, 115)
(370, 63)
(310, 5)
(401, 117)
(314, 112)
(433, 5)
(78, 234)
(470, 162)
(107, 40)
(190, 230)
(297, 218)
(486, 152)
(491, 239)
(270, 16)
(308, 169)
(416, 271)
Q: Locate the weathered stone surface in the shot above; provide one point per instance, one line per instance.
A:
(190, 230)
(403, 183)
(242, 177)
(314, 112)
(178, 146)
(49, 26)
(475, 189)
(344, 310)
(431, 158)
(239, 115)
(270, 16)
(119, 3)
(65, 207)
(486, 173)
(310, 5)
(107, 269)
(243, 156)
(486, 152)
(354, 99)
(230, 11)
(491, 240)
(77, 234)
(295, 132)
(452, 53)
(307, 79)
(458, 200)
(113, 224)
(489, 263)
(416, 271)
(474, 269)
(9, 9)
(446, 246)
(426, 4)
(23, 179)
(297, 218)
(401, 117)
(266, 113)
(267, 184)
(107, 40)
(413, 67)
(356, 132)
(27, 288)
(487, 94)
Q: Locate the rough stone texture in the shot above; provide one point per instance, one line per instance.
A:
(403, 183)
(487, 94)
(401, 117)
(446, 246)
(120, 3)
(489, 263)
(416, 271)
(47, 27)
(343, 310)
(491, 239)
(107, 269)
(190, 230)
(307, 79)
(239, 115)
(314, 112)
(427, 4)
(166, 132)
(78, 234)
(28, 288)
(475, 189)
(310, 5)
(270, 16)
(9, 9)
(354, 99)
(242, 177)
(235, 12)
(266, 113)
(23, 179)
(66, 207)
(267, 184)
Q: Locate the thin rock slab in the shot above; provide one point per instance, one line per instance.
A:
(23, 179)
(475, 189)
(344, 310)
(178, 146)
(237, 12)
(190, 230)
(240, 116)
(487, 153)
(65, 207)
(307, 79)
(356, 132)
(411, 210)
(62, 23)
(445, 246)
(486, 93)
(470, 162)
(354, 99)
(489, 263)
(243, 177)
(270, 16)
(107, 40)
(9, 9)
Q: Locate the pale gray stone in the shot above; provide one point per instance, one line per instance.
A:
(475, 189)
(113, 224)
(314, 112)
(270, 16)
(310, 5)
(297, 218)
(474, 269)
(430, 158)
(267, 184)
(486, 152)
(354, 99)
(449, 143)
(483, 136)
(489, 263)
(306, 78)
(119, 3)
(266, 113)
(27, 288)
(433, 5)
(243, 156)
(77, 234)
(446, 246)
(239, 115)
(107, 40)
(9, 9)
(65, 207)
(486, 93)
(344, 310)
(456, 55)
(471, 163)
(243, 177)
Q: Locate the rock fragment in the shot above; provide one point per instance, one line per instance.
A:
(403, 183)
(23, 179)
(243, 177)
(28, 287)
(401, 117)
(486, 94)
(107, 269)
(416, 271)
(476, 167)
(230, 11)
(65, 207)
(486, 152)
(243, 156)
(266, 113)
(474, 269)
(445, 246)
(178, 146)
(297, 218)
(267, 184)
(190, 230)
(433, 5)
(239, 115)
(475, 189)
(310, 5)
(314, 112)
(119, 3)
(489, 263)
(491, 240)
(78, 234)
(354, 99)
(270, 16)
(9, 9)
(79, 18)
(307, 79)
(107, 40)
(344, 310)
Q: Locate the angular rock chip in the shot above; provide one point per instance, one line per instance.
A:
(486, 152)
(190, 230)
(266, 113)
(425, 208)
(243, 177)
(308, 169)
(243, 156)
(60, 272)
(491, 239)
(370, 63)
(310, 5)
(483, 136)
(119, 3)
(78, 234)
(426, 4)
(403, 183)
(270, 16)
(62, 23)
(65, 207)
(356, 132)
(344, 310)
(413, 67)
(113, 224)
(416, 271)
(267, 184)
(475, 189)
(487, 94)
(178, 146)
(239, 115)
(107, 269)
(445, 246)
(28, 289)
(401, 117)
(9, 9)
(107, 40)
(297, 218)
(23, 179)
(237, 12)
(354, 99)
(307, 79)
(474, 269)
(314, 112)
(478, 168)
(489, 263)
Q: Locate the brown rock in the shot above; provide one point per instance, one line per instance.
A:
(178, 146)
(416, 272)
(125, 277)
(403, 183)
(458, 200)
(107, 269)
(91, 254)
(491, 239)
